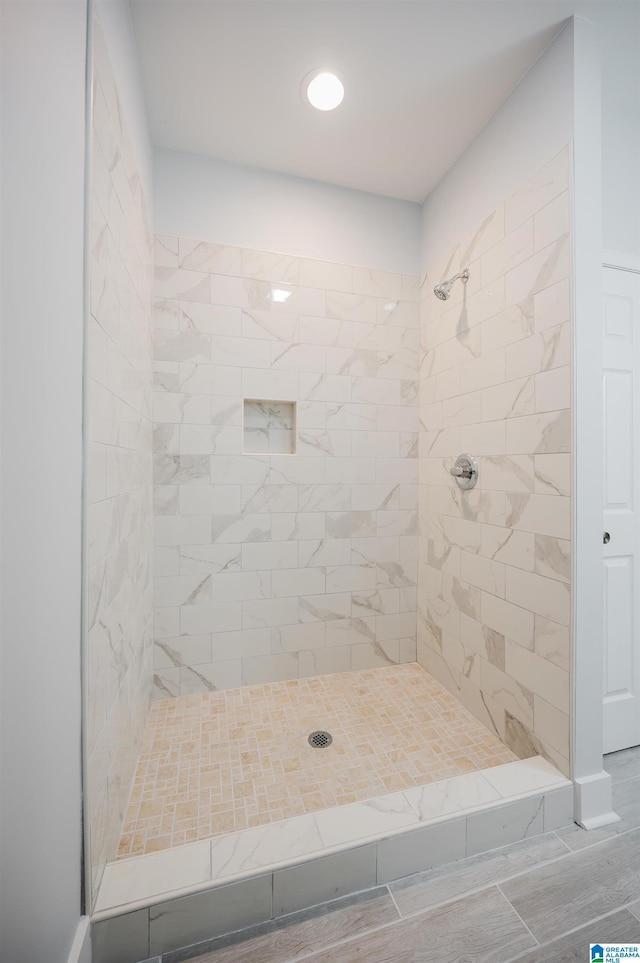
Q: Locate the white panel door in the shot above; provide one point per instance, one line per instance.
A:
(621, 553)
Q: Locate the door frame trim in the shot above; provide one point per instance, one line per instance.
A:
(593, 797)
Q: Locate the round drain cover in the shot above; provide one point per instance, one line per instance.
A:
(320, 739)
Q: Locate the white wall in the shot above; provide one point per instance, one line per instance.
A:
(117, 28)
(197, 197)
(43, 124)
(531, 126)
(620, 39)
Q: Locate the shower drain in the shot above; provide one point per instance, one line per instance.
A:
(320, 739)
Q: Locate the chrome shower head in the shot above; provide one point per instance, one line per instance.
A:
(443, 290)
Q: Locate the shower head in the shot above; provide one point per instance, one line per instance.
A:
(443, 290)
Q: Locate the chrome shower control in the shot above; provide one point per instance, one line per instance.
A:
(465, 472)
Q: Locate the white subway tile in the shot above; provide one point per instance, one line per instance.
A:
(294, 582)
(482, 372)
(212, 258)
(544, 678)
(178, 530)
(268, 612)
(551, 724)
(300, 525)
(242, 644)
(296, 638)
(514, 248)
(553, 642)
(483, 573)
(553, 389)
(541, 188)
(544, 433)
(240, 352)
(204, 619)
(553, 474)
(507, 692)
(269, 555)
(212, 379)
(182, 346)
(182, 285)
(545, 268)
(552, 221)
(240, 586)
(508, 546)
(270, 668)
(351, 307)
(508, 619)
(552, 306)
(542, 514)
(265, 266)
(380, 284)
(395, 626)
(544, 596)
(181, 590)
(183, 650)
(319, 552)
(325, 608)
(326, 275)
(208, 559)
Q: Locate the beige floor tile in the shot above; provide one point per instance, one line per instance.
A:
(224, 761)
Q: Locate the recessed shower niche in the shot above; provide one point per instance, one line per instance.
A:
(269, 427)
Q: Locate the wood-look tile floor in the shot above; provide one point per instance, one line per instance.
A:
(226, 761)
(542, 900)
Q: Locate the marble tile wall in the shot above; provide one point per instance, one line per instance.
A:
(274, 566)
(119, 469)
(494, 599)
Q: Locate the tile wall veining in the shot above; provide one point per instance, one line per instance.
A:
(275, 566)
(119, 470)
(494, 601)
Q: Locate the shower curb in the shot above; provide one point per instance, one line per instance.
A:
(253, 887)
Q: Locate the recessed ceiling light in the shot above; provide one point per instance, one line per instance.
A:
(323, 90)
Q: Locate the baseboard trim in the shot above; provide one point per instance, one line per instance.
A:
(593, 801)
(81, 947)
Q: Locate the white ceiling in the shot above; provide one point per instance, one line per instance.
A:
(422, 77)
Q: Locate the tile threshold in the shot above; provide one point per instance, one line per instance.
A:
(142, 881)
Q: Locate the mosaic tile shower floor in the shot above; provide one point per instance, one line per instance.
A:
(226, 761)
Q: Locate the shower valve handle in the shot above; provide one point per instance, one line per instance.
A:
(465, 472)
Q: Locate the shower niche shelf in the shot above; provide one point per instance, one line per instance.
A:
(269, 427)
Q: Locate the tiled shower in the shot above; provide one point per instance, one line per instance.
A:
(305, 415)
(272, 566)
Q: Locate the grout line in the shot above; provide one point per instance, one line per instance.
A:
(488, 884)
(512, 907)
(400, 916)
(344, 942)
(608, 839)
(366, 932)
(576, 929)
(554, 832)
(312, 951)
(548, 862)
